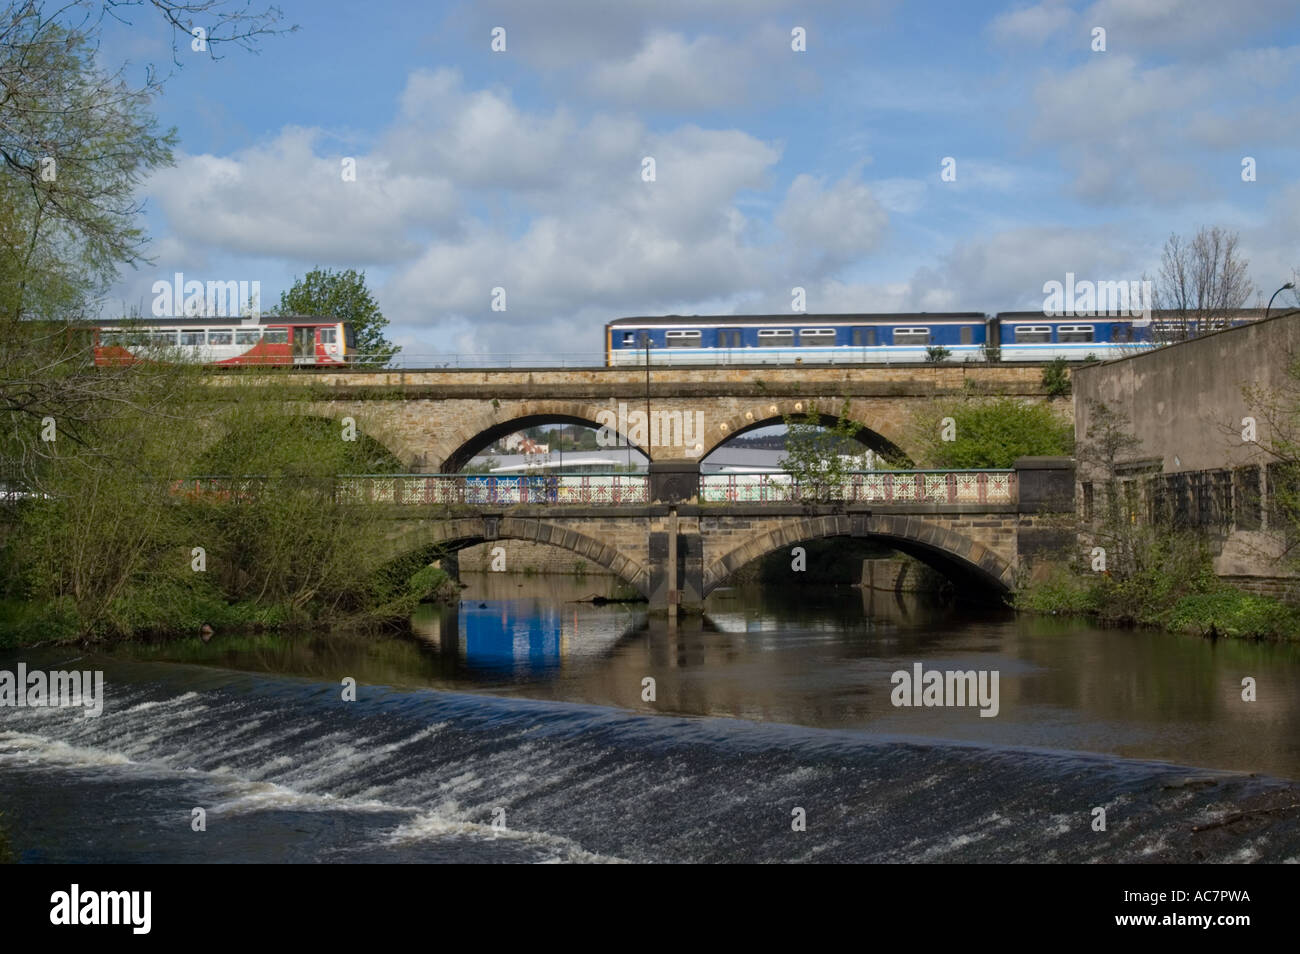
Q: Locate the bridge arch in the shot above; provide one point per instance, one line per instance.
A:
(943, 548)
(876, 433)
(457, 448)
(456, 535)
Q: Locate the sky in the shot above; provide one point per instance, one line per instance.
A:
(821, 168)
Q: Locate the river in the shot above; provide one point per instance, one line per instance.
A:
(518, 727)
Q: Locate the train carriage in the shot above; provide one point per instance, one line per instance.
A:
(280, 340)
(795, 339)
(895, 338)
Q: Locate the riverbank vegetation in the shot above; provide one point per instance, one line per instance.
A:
(151, 497)
(212, 503)
(1128, 570)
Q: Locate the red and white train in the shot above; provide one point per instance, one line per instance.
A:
(274, 340)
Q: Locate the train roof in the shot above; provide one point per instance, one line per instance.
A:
(651, 321)
(1156, 314)
(213, 321)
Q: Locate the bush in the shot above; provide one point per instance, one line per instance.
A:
(1230, 612)
(1056, 378)
(990, 433)
(1060, 591)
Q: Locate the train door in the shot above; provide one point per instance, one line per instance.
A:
(304, 345)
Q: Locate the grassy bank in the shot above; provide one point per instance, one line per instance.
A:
(172, 612)
(1198, 603)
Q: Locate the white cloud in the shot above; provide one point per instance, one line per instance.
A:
(835, 224)
(1032, 25)
(282, 199)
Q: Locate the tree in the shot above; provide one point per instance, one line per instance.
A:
(75, 141)
(1202, 281)
(342, 295)
(963, 433)
(1056, 378)
(820, 459)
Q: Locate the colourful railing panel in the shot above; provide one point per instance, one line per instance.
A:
(976, 487)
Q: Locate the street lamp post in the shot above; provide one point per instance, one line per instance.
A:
(1275, 294)
(646, 449)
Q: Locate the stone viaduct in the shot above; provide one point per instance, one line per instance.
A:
(667, 541)
(434, 421)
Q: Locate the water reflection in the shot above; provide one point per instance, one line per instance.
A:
(494, 632)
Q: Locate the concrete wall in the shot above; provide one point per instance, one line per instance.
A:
(1186, 401)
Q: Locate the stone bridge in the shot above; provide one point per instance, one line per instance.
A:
(675, 537)
(436, 421)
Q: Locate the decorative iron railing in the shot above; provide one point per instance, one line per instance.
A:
(877, 487)
(483, 489)
(913, 486)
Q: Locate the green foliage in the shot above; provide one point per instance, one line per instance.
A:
(989, 433)
(937, 354)
(820, 458)
(1056, 378)
(67, 226)
(1182, 595)
(1060, 590)
(107, 549)
(342, 295)
(1226, 611)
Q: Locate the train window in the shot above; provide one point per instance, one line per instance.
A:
(348, 340)
(162, 338)
(775, 338)
(329, 336)
(276, 336)
(966, 333)
(248, 336)
(110, 339)
(1033, 334)
(643, 339)
(221, 337)
(1074, 333)
(683, 339)
(191, 338)
(729, 338)
(911, 336)
(816, 337)
(629, 339)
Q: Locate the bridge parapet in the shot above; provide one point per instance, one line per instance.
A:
(684, 486)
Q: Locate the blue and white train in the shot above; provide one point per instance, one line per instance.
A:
(888, 338)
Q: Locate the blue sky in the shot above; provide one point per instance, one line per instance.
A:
(774, 168)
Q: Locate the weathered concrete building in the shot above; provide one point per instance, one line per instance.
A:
(1201, 409)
